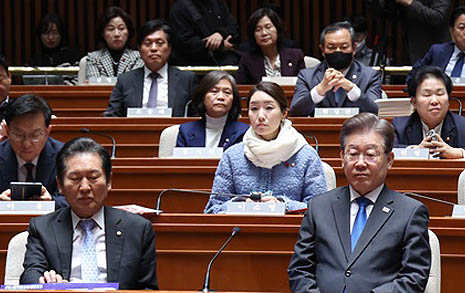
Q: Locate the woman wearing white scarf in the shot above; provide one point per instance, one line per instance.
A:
(273, 157)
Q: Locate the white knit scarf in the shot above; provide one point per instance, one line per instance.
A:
(267, 154)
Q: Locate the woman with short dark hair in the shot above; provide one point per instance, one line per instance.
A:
(273, 158)
(115, 30)
(218, 102)
(267, 57)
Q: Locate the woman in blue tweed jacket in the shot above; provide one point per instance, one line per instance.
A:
(273, 157)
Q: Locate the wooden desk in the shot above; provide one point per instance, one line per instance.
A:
(256, 260)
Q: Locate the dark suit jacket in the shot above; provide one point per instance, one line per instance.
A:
(391, 255)
(368, 80)
(129, 89)
(192, 134)
(252, 66)
(409, 131)
(130, 257)
(46, 171)
(438, 55)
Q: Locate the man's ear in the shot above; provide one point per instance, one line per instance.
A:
(390, 158)
(60, 188)
(49, 129)
(341, 154)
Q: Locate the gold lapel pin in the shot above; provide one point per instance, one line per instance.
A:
(119, 233)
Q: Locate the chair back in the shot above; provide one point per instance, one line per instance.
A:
(15, 258)
(461, 189)
(330, 175)
(311, 62)
(82, 70)
(168, 139)
(434, 280)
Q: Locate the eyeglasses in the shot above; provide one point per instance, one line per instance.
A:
(21, 137)
(369, 156)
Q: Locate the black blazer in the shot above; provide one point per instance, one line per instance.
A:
(391, 255)
(252, 66)
(129, 89)
(130, 253)
(408, 130)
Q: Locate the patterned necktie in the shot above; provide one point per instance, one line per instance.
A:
(29, 168)
(89, 269)
(360, 220)
(153, 94)
(457, 71)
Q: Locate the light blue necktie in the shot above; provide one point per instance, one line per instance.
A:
(89, 269)
(360, 220)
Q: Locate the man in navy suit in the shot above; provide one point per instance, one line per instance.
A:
(89, 242)
(363, 237)
(169, 86)
(340, 81)
(29, 153)
(448, 56)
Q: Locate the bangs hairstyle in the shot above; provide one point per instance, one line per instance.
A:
(425, 72)
(109, 14)
(152, 26)
(364, 123)
(80, 145)
(28, 104)
(273, 90)
(44, 27)
(255, 18)
(206, 84)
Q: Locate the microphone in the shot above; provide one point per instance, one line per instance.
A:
(255, 196)
(206, 283)
(113, 141)
(430, 198)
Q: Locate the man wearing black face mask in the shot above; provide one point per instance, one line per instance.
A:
(339, 81)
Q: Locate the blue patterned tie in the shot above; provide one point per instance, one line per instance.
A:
(360, 220)
(89, 269)
(457, 71)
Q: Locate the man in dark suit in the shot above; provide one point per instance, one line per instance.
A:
(363, 237)
(429, 90)
(29, 153)
(89, 242)
(339, 81)
(156, 85)
(5, 83)
(447, 56)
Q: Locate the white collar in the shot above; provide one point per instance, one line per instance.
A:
(372, 195)
(98, 217)
(21, 162)
(162, 71)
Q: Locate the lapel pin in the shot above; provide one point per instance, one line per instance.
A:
(226, 140)
(386, 210)
(354, 76)
(290, 64)
(119, 233)
(447, 138)
(293, 164)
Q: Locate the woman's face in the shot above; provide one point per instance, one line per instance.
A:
(266, 33)
(218, 100)
(431, 101)
(51, 38)
(265, 115)
(116, 33)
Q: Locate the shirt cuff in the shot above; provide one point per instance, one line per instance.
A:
(316, 96)
(354, 93)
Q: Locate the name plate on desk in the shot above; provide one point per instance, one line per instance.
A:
(458, 211)
(410, 154)
(26, 207)
(149, 112)
(197, 152)
(281, 80)
(64, 286)
(458, 80)
(102, 80)
(336, 112)
(256, 208)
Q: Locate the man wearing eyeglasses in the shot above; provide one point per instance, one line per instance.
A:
(363, 237)
(28, 155)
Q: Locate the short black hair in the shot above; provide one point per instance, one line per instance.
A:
(336, 27)
(107, 16)
(425, 72)
(79, 145)
(255, 18)
(45, 23)
(3, 63)
(152, 26)
(206, 84)
(456, 14)
(28, 104)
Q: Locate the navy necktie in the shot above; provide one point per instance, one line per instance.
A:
(29, 168)
(360, 220)
(339, 95)
(457, 71)
(153, 94)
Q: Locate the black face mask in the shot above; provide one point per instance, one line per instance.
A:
(339, 60)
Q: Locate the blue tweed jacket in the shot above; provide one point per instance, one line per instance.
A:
(296, 181)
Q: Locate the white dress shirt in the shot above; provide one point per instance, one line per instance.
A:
(372, 196)
(162, 97)
(100, 247)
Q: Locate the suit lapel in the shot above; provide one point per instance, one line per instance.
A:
(414, 131)
(197, 134)
(64, 239)
(172, 81)
(138, 82)
(114, 238)
(9, 162)
(446, 54)
(341, 214)
(44, 168)
(107, 63)
(381, 212)
(448, 130)
(124, 62)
